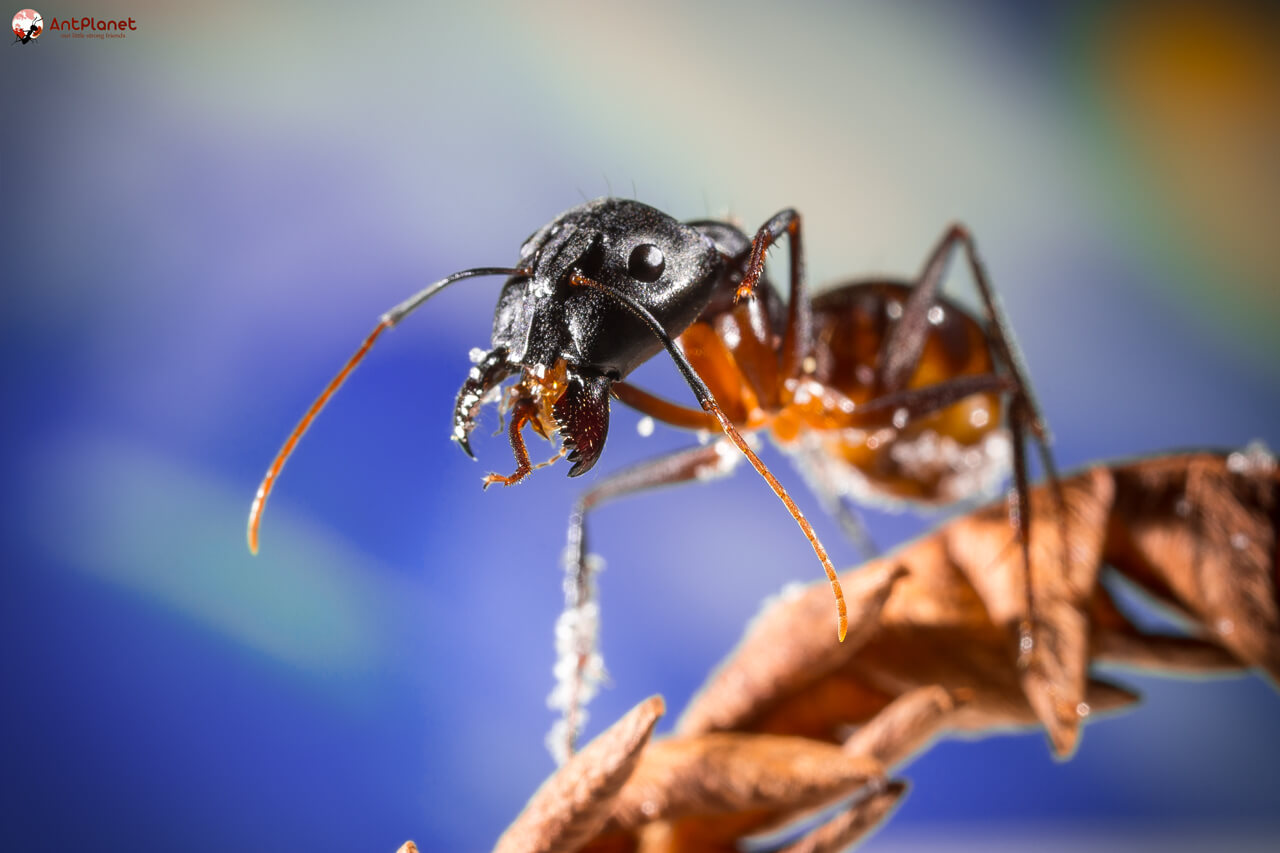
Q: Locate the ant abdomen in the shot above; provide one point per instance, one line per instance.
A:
(935, 458)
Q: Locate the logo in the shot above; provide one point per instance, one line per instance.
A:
(27, 26)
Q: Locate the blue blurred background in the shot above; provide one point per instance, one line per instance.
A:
(206, 217)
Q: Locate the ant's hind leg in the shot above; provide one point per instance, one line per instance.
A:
(900, 355)
(575, 635)
(1024, 416)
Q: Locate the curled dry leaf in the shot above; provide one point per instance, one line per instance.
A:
(705, 792)
(933, 648)
(575, 803)
(853, 824)
(1186, 528)
(726, 773)
(1199, 532)
(789, 648)
(1066, 548)
(903, 726)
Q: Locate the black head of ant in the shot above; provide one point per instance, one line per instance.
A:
(568, 324)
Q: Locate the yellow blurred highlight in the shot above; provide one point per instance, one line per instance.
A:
(1197, 88)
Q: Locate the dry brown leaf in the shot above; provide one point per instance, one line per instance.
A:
(724, 773)
(1063, 576)
(851, 825)
(706, 791)
(899, 730)
(936, 626)
(1200, 531)
(788, 647)
(981, 666)
(933, 648)
(574, 804)
(1116, 640)
(903, 727)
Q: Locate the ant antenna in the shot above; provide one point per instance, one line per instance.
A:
(709, 404)
(388, 320)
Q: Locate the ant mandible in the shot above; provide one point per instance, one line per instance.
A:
(876, 387)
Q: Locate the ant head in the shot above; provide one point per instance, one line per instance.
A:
(571, 342)
(625, 246)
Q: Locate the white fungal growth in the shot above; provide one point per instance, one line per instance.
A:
(966, 472)
(1255, 460)
(645, 426)
(579, 668)
(476, 355)
(727, 459)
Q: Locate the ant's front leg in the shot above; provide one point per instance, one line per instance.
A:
(797, 340)
(523, 413)
(575, 637)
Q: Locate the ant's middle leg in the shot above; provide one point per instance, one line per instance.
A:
(576, 649)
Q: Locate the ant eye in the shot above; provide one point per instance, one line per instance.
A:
(646, 263)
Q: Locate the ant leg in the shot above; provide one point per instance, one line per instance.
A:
(900, 355)
(901, 407)
(1024, 415)
(797, 339)
(664, 410)
(576, 644)
(904, 343)
(522, 415)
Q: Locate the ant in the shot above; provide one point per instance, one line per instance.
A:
(32, 31)
(877, 387)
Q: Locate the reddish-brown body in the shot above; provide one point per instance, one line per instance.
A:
(736, 351)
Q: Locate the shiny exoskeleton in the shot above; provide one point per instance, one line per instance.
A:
(876, 388)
